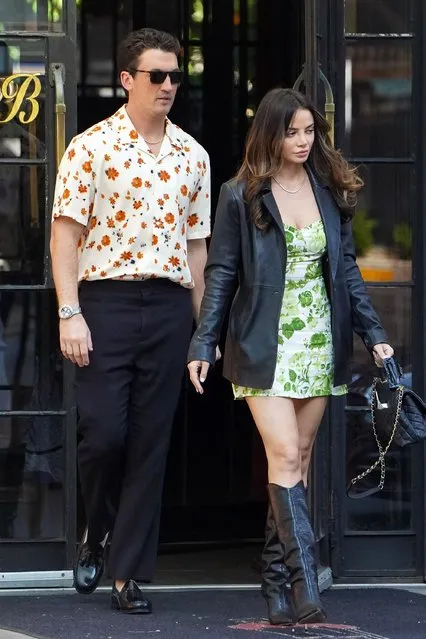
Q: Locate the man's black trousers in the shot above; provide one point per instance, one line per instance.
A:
(126, 400)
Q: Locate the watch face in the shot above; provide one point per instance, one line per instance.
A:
(65, 312)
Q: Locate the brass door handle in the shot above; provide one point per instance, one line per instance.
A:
(329, 106)
(57, 79)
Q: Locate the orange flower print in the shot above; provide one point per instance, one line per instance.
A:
(174, 261)
(133, 134)
(93, 268)
(103, 274)
(93, 222)
(117, 264)
(82, 188)
(139, 255)
(140, 161)
(137, 204)
(83, 211)
(166, 196)
(106, 241)
(112, 173)
(66, 194)
(71, 154)
(166, 268)
(107, 157)
(184, 190)
(164, 176)
(110, 223)
(132, 240)
(99, 247)
(120, 216)
(186, 149)
(148, 184)
(177, 246)
(116, 195)
(188, 170)
(177, 169)
(160, 202)
(127, 164)
(91, 245)
(126, 255)
(194, 197)
(193, 219)
(137, 182)
(112, 201)
(183, 229)
(154, 240)
(143, 225)
(170, 218)
(87, 167)
(158, 223)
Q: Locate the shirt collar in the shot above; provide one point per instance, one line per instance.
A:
(122, 123)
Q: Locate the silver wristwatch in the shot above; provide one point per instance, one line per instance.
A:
(66, 311)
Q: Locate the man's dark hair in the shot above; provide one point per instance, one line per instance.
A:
(139, 41)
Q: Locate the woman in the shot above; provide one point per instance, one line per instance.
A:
(283, 241)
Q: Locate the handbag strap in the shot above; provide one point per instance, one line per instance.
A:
(382, 451)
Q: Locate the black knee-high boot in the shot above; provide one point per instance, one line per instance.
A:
(274, 576)
(297, 538)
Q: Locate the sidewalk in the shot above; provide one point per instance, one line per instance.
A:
(353, 613)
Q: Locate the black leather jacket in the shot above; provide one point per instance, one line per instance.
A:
(244, 259)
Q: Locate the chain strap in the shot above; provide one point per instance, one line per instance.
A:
(382, 451)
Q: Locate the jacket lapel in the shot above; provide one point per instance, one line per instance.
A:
(271, 205)
(330, 217)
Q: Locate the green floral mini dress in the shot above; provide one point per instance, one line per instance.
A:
(305, 350)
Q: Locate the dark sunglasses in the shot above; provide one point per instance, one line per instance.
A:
(158, 77)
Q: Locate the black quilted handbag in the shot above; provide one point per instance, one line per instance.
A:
(398, 416)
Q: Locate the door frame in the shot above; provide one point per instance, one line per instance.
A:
(55, 554)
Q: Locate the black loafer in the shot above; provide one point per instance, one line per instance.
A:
(130, 599)
(88, 568)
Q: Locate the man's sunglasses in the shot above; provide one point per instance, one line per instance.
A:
(158, 77)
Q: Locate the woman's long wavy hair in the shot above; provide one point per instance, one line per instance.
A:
(263, 154)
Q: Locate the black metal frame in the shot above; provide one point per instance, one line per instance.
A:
(56, 554)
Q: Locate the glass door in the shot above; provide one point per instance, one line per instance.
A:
(379, 111)
(37, 433)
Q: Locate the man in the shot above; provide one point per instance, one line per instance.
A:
(130, 218)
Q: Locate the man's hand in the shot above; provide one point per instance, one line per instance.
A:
(75, 340)
(197, 373)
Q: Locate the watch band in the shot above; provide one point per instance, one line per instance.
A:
(66, 311)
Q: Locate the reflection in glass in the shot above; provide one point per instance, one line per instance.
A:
(22, 93)
(382, 225)
(389, 509)
(32, 464)
(195, 66)
(378, 99)
(196, 19)
(22, 223)
(32, 15)
(30, 362)
(380, 16)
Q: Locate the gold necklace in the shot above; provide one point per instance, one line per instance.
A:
(158, 141)
(287, 190)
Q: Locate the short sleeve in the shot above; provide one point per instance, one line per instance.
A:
(199, 213)
(75, 184)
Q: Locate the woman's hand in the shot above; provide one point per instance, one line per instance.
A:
(381, 352)
(197, 373)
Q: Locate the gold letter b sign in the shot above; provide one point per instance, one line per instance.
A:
(18, 94)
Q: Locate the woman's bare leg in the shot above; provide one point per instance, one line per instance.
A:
(275, 418)
(309, 413)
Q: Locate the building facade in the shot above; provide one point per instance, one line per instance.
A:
(364, 63)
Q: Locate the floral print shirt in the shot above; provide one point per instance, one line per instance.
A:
(138, 210)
